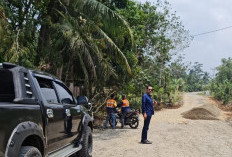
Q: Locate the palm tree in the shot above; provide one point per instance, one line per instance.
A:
(85, 35)
(19, 31)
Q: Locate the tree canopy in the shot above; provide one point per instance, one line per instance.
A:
(221, 85)
(101, 45)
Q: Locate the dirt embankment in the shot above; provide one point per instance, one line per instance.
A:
(172, 134)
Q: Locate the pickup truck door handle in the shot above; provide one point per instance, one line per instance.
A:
(50, 113)
(67, 111)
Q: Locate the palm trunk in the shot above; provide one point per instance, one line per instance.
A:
(67, 71)
(44, 33)
(59, 72)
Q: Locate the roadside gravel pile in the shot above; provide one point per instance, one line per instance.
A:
(204, 112)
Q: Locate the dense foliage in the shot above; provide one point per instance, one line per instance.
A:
(197, 80)
(102, 46)
(78, 40)
(158, 33)
(221, 85)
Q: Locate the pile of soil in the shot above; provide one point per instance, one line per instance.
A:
(204, 112)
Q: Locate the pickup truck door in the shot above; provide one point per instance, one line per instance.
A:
(72, 111)
(60, 122)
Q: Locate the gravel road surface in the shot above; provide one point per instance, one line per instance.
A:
(171, 134)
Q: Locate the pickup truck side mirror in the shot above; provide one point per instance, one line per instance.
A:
(82, 100)
(66, 101)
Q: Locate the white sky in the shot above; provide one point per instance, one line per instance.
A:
(199, 16)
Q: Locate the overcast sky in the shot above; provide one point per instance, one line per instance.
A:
(199, 16)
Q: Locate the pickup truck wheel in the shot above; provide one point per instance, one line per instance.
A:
(87, 144)
(29, 151)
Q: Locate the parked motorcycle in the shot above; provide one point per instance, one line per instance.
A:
(131, 119)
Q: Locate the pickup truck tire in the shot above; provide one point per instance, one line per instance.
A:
(29, 151)
(87, 144)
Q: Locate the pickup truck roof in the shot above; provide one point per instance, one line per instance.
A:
(25, 94)
(6, 65)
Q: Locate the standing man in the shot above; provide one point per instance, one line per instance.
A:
(148, 111)
(125, 105)
(111, 105)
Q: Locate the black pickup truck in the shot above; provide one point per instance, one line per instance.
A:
(39, 117)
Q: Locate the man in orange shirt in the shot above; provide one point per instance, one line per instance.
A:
(111, 105)
(125, 105)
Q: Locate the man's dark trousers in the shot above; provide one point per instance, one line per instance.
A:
(145, 128)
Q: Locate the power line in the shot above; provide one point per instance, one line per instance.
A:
(221, 29)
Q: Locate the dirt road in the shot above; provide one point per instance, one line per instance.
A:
(172, 135)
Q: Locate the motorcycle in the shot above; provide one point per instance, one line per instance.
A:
(131, 119)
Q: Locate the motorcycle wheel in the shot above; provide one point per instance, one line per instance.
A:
(134, 123)
(111, 122)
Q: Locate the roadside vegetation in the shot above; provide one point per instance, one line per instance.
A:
(221, 85)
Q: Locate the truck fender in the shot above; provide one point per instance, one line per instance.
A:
(19, 134)
(87, 119)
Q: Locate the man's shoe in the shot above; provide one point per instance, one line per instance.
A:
(146, 142)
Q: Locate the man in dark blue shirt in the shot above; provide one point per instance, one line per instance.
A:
(148, 111)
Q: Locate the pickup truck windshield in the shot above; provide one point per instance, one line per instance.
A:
(6, 86)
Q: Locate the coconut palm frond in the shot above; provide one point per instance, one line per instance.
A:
(79, 46)
(84, 70)
(105, 69)
(121, 57)
(110, 44)
(91, 8)
(110, 70)
(68, 31)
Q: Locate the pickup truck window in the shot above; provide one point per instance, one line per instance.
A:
(6, 86)
(47, 90)
(64, 94)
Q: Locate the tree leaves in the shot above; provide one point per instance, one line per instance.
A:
(221, 85)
